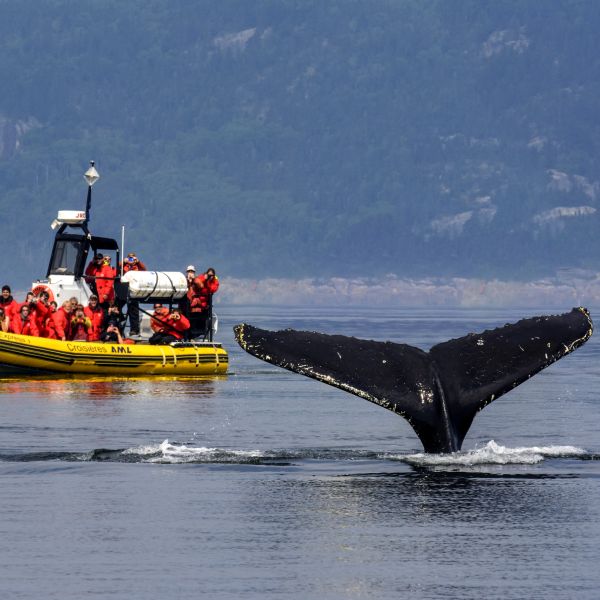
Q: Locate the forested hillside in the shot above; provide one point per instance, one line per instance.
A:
(298, 137)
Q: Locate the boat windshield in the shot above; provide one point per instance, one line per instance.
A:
(64, 257)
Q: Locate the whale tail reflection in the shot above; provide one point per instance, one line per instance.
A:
(438, 392)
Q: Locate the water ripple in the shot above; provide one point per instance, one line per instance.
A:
(175, 453)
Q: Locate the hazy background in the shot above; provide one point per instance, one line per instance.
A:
(398, 151)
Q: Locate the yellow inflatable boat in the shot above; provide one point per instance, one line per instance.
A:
(179, 358)
(66, 278)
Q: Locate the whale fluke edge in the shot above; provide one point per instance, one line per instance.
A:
(438, 392)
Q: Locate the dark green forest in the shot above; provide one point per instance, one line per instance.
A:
(298, 137)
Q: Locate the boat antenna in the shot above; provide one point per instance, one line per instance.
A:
(91, 176)
(122, 248)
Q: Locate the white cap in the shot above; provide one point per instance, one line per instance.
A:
(191, 268)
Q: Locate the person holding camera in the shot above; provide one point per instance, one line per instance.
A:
(184, 303)
(111, 335)
(80, 326)
(114, 316)
(133, 263)
(114, 323)
(200, 296)
(173, 329)
(40, 311)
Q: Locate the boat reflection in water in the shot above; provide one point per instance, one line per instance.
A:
(95, 388)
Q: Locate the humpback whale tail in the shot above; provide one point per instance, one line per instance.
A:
(437, 392)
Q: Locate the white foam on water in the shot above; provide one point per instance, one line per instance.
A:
(143, 450)
(167, 452)
(493, 454)
(490, 454)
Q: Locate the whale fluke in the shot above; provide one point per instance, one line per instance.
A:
(437, 392)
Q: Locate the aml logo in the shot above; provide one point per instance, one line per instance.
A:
(121, 350)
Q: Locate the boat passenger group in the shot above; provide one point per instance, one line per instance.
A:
(103, 318)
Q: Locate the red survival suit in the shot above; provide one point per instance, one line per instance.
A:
(132, 266)
(10, 306)
(96, 316)
(106, 287)
(175, 327)
(200, 291)
(58, 325)
(24, 327)
(91, 272)
(162, 314)
(40, 313)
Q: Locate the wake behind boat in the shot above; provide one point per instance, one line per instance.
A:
(163, 343)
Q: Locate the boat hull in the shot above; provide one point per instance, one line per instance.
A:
(42, 354)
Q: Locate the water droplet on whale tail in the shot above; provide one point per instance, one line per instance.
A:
(438, 392)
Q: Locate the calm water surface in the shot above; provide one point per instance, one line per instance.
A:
(265, 484)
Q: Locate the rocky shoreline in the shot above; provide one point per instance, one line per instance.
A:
(395, 291)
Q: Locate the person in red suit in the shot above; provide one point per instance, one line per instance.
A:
(93, 311)
(105, 282)
(174, 328)
(80, 326)
(200, 295)
(158, 316)
(48, 327)
(40, 310)
(132, 263)
(59, 323)
(28, 302)
(24, 323)
(7, 302)
(93, 270)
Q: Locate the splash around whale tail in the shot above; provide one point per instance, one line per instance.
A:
(437, 392)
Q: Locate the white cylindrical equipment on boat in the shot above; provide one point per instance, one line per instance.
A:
(71, 217)
(155, 284)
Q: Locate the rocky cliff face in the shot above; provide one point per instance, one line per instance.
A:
(12, 134)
